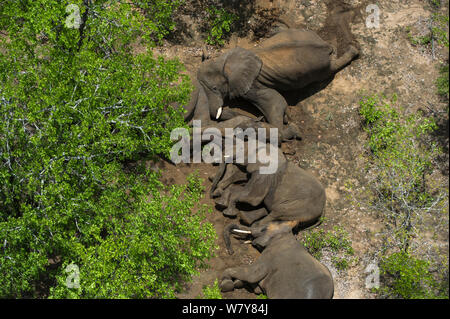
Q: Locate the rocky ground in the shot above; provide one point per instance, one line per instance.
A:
(332, 142)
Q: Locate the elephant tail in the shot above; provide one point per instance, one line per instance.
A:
(217, 178)
(226, 235)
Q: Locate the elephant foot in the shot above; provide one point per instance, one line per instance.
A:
(231, 212)
(226, 285)
(218, 192)
(290, 132)
(250, 217)
(238, 284)
(258, 290)
(224, 197)
(221, 201)
(353, 50)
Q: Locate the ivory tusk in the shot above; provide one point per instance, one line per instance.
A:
(219, 113)
(247, 242)
(241, 231)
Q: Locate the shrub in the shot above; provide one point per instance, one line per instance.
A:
(337, 241)
(211, 292)
(440, 31)
(220, 22)
(410, 278)
(76, 107)
(401, 155)
(442, 81)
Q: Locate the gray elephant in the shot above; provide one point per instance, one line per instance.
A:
(284, 270)
(291, 59)
(291, 194)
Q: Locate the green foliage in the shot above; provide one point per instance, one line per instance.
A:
(440, 32)
(436, 3)
(262, 296)
(440, 29)
(410, 278)
(420, 40)
(76, 105)
(337, 241)
(401, 156)
(211, 292)
(442, 81)
(220, 22)
(397, 151)
(159, 15)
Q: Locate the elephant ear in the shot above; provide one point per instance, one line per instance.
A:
(241, 68)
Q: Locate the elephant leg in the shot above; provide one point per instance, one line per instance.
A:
(249, 217)
(344, 60)
(251, 274)
(273, 106)
(224, 198)
(253, 193)
(232, 175)
(263, 222)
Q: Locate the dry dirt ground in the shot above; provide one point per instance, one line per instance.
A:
(332, 142)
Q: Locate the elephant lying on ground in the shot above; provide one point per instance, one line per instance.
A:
(290, 194)
(291, 59)
(285, 269)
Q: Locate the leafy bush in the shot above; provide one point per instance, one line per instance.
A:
(77, 106)
(159, 15)
(401, 156)
(211, 292)
(396, 142)
(220, 22)
(442, 81)
(440, 31)
(337, 241)
(410, 278)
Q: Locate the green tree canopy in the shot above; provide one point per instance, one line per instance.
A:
(76, 104)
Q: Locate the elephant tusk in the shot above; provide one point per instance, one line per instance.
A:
(219, 113)
(247, 242)
(241, 231)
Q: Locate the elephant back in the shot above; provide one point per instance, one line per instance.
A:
(293, 59)
(292, 36)
(298, 195)
(295, 273)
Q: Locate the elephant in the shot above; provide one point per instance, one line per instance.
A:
(290, 195)
(284, 270)
(289, 60)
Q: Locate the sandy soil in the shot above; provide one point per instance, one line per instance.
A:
(333, 141)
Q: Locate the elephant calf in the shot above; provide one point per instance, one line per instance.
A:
(290, 194)
(284, 270)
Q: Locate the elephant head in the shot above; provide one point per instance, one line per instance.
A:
(262, 234)
(230, 75)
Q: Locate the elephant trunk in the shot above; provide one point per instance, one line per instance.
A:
(226, 235)
(190, 107)
(217, 178)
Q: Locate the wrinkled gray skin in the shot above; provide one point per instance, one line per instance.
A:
(284, 270)
(290, 195)
(291, 59)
